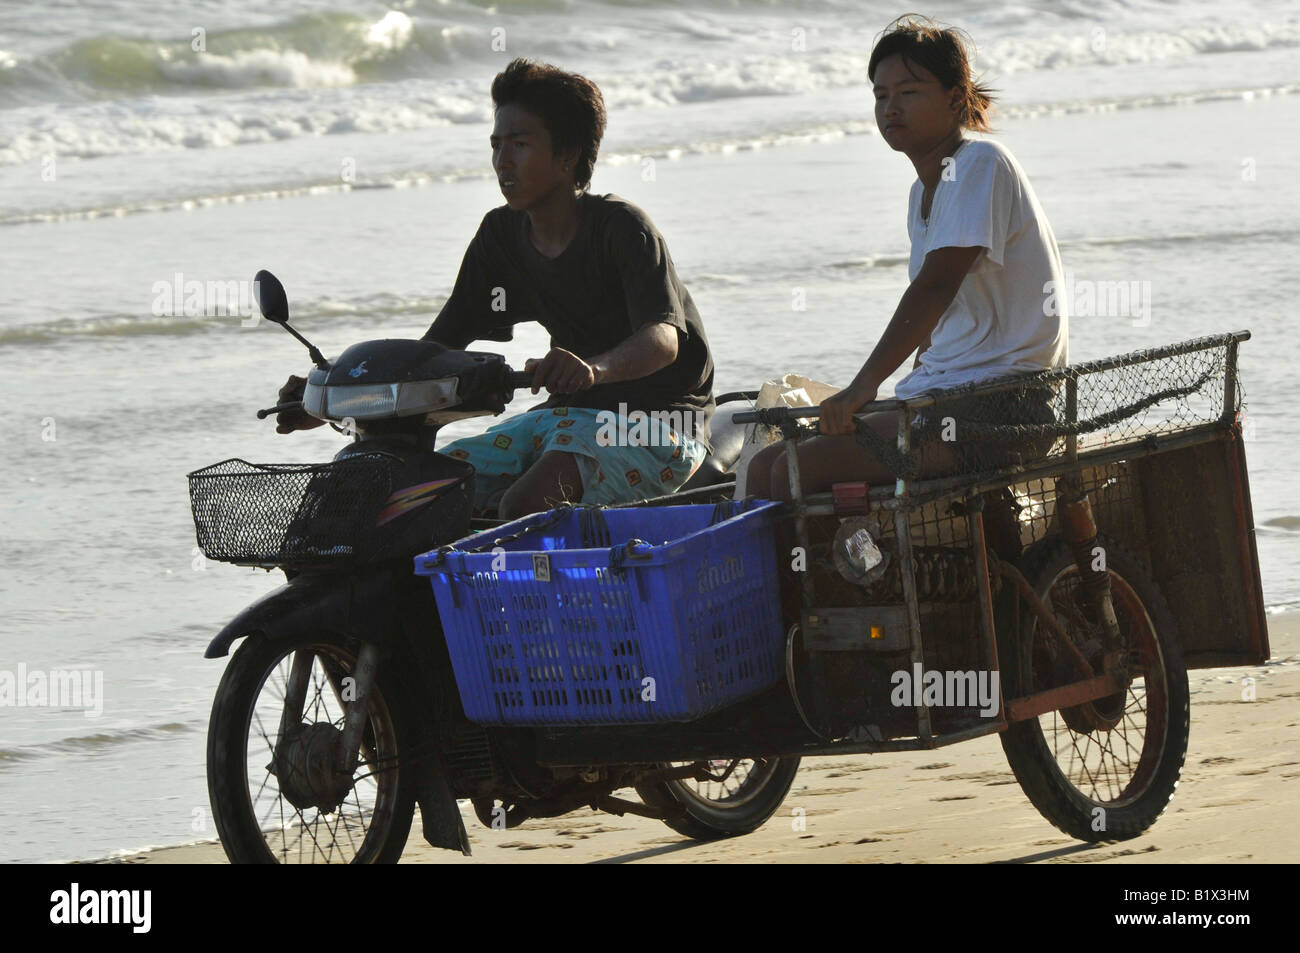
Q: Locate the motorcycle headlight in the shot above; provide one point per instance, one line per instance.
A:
(373, 401)
(362, 402)
(313, 400)
(421, 397)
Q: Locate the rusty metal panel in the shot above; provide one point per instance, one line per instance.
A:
(1201, 544)
(1116, 493)
(1067, 696)
(877, 628)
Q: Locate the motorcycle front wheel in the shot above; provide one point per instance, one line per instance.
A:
(279, 793)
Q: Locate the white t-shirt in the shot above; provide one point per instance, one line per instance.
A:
(996, 324)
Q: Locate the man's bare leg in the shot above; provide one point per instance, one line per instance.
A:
(825, 460)
(551, 480)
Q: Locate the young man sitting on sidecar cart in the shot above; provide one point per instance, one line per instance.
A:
(983, 257)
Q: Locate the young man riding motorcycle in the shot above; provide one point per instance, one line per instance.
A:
(628, 351)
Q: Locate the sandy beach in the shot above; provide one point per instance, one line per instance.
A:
(961, 804)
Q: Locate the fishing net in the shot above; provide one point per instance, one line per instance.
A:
(1026, 419)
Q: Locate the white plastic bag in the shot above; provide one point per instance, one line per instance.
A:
(792, 390)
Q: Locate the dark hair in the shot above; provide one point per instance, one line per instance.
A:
(569, 105)
(942, 51)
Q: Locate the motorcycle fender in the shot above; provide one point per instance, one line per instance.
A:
(443, 826)
(359, 606)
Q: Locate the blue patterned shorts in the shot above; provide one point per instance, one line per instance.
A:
(620, 459)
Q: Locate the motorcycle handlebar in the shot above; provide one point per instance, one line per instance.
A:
(513, 380)
(278, 409)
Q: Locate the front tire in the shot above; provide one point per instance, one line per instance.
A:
(1105, 770)
(276, 800)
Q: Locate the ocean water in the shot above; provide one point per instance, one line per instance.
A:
(344, 147)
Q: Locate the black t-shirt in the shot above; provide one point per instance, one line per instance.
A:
(614, 277)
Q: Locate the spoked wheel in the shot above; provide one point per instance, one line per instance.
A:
(738, 798)
(278, 791)
(1106, 769)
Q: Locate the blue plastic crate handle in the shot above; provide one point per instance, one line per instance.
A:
(632, 549)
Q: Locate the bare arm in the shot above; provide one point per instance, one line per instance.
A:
(921, 307)
(925, 346)
(648, 349)
(651, 348)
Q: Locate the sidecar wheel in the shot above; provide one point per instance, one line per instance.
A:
(1105, 770)
(709, 810)
(277, 800)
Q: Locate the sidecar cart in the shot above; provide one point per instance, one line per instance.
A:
(1094, 543)
(1055, 589)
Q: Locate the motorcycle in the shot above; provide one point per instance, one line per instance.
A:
(1056, 599)
(339, 711)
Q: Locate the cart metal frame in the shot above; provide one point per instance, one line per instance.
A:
(1210, 455)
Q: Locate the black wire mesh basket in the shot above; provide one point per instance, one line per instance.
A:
(1027, 418)
(291, 514)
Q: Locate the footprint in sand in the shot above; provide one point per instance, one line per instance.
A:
(521, 845)
(1218, 760)
(989, 777)
(845, 772)
(1092, 858)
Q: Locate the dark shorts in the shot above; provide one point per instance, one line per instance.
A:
(949, 421)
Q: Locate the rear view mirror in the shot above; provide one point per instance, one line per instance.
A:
(274, 305)
(271, 299)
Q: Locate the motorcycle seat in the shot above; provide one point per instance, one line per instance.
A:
(728, 440)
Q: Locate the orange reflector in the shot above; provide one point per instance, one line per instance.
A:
(877, 632)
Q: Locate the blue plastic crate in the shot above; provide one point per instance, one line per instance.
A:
(619, 616)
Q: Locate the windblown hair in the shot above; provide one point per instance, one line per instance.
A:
(569, 105)
(942, 51)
